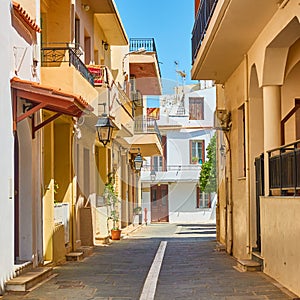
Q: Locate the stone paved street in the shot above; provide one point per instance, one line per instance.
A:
(191, 269)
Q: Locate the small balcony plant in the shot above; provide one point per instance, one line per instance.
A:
(112, 204)
(195, 160)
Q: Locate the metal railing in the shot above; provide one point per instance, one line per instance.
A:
(147, 125)
(177, 168)
(135, 44)
(284, 168)
(201, 23)
(55, 55)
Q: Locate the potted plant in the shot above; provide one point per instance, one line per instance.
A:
(195, 159)
(112, 204)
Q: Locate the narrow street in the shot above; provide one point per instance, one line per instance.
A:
(191, 268)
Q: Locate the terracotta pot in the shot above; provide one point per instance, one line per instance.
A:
(116, 234)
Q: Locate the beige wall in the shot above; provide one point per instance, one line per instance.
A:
(280, 240)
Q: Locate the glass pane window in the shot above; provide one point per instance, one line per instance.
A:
(197, 151)
(203, 199)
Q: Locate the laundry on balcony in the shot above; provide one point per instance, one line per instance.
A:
(98, 74)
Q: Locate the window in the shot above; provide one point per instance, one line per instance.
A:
(132, 84)
(241, 141)
(159, 163)
(203, 199)
(196, 108)
(77, 33)
(197, 152)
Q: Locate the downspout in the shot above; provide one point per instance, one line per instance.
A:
(229, 222)
(247, 149)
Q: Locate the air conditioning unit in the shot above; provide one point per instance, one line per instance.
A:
(222, 119)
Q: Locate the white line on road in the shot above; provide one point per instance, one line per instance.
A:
(151, 280)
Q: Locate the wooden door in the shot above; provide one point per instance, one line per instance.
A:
(159, 203)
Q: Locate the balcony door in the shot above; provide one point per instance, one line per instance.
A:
(159, 203)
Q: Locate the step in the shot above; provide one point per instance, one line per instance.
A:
(256, 256)
(28, 279)
(248, 265)
(102, 240)
(86, 250)
(74, 256)
(22, 267)
(220, 247)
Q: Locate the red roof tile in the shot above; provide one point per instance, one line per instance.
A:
(25, 16)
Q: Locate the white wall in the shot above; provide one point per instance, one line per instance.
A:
(6, 152)
(182, 183)
(182, 205)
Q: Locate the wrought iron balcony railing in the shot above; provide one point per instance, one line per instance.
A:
(201, 23)
(56, 55)
(284, 168)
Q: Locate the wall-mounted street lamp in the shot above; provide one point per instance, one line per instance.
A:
(153, 175)
(105, 45)
(222, 150)
(138, 160)
(104, 128)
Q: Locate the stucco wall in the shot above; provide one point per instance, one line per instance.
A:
(6, 151)
(182, 205)
(280, 236)
(235, 93)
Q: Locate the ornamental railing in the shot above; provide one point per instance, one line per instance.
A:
(54, 56)
(284, 169)
(203, 17)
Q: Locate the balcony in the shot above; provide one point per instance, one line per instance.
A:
(222, 35)
(147, 138)
(57, 55)
(146, 125)
(201, 23)
(172, 173)
(144, 66)
(61, 66)
(284, 169)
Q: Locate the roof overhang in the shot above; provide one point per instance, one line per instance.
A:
(42, 97)
(145, 69)
(148, 144)
(109, 19)
(50, 98)
(233, 28)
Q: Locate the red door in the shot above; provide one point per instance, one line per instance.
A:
(159, 203)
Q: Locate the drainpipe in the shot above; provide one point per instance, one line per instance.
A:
(229, 222)
(247, 149)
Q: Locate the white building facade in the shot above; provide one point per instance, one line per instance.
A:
(6, 151)
(170, 183)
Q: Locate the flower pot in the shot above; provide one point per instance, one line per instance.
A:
(116, 234)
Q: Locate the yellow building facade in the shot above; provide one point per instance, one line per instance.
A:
(252, 51)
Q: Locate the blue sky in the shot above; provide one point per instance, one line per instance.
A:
(170, 23)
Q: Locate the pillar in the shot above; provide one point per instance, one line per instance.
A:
(272, 119)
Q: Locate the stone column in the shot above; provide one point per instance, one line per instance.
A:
(272, 119)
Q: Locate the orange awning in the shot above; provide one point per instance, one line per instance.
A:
(43, 97)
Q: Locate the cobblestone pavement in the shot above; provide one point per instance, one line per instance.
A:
(191, 269)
